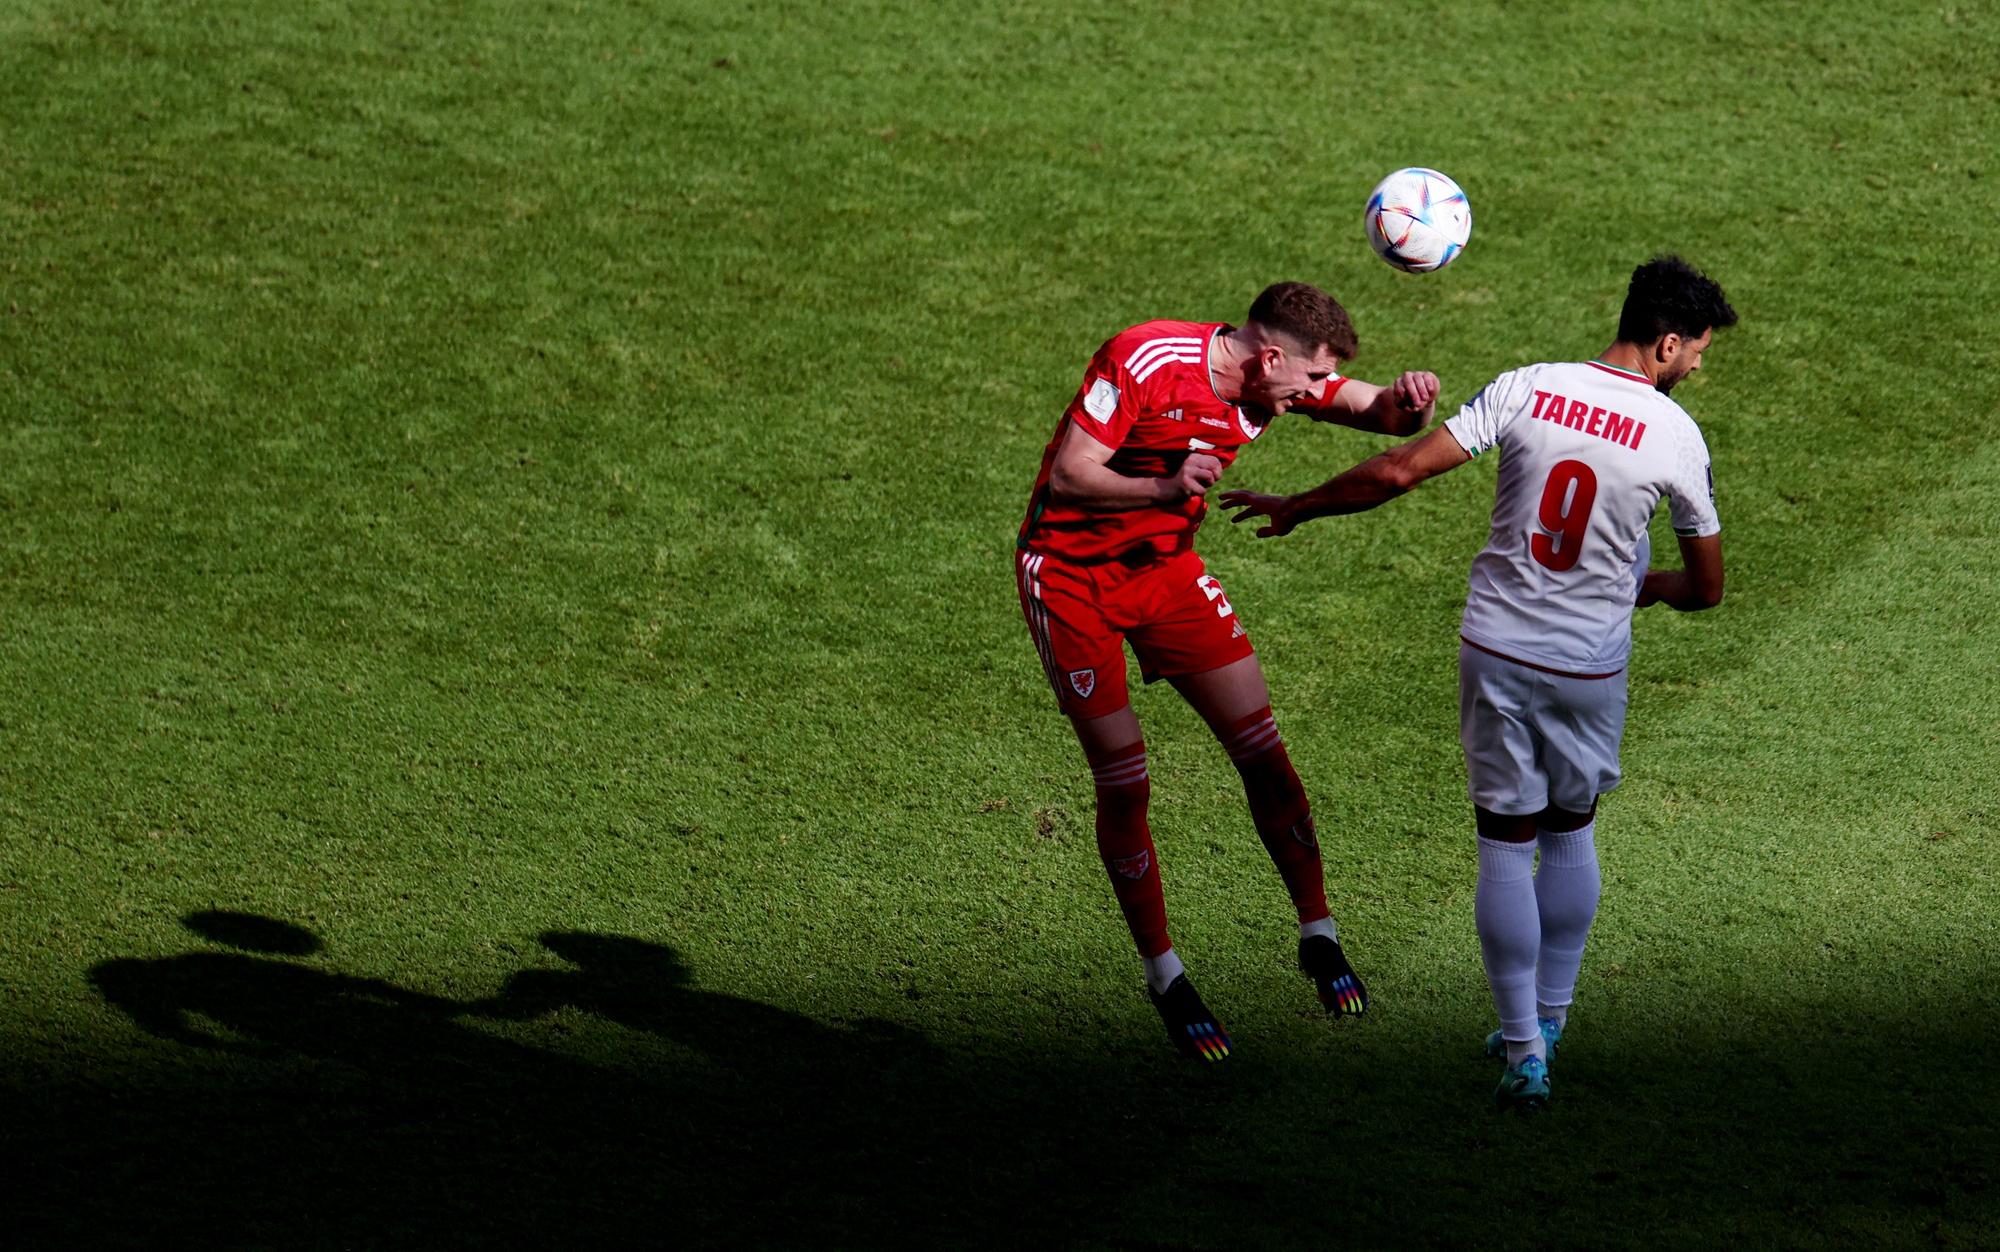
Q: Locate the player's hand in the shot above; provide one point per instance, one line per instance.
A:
(1415, 391)
(1196, 475)
(1256, 504)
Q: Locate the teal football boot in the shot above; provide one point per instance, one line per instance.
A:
(1524, 1087)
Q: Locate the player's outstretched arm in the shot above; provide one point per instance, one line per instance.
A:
(1697, 586)
(1081, 475)
(1404, 407)
(1376, 480)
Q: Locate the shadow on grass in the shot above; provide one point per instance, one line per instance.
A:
(310, 1107)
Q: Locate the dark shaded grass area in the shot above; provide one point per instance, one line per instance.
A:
(294, 1105)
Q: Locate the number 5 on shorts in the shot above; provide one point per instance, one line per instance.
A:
(1213, 590)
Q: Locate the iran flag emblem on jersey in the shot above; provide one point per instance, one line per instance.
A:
(1084, 681)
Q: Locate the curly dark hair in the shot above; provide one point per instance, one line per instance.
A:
(1668, 296)
(1308, 316)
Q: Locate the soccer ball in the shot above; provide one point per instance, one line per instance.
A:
(1417, 220)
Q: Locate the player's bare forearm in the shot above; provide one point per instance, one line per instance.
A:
(1106, 491)
(1368, 484)
(1377, 480)
(1086, 483)
(1404, 407)
(1691, 589)
(1676, 589)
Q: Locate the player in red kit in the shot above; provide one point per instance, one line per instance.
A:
(1107, 558)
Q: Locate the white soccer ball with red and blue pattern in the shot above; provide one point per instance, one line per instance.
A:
(1418, 220)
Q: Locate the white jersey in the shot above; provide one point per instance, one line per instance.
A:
(1586, 452)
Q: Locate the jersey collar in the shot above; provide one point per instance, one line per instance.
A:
(1628, 375)
(1208, 370)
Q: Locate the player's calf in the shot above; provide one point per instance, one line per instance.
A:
(1278, 808)
(1125, 844)
(1283, 817)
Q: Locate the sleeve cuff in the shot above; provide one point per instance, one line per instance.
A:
(1091, 427)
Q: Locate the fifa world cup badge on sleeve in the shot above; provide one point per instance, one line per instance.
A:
(1102, 400)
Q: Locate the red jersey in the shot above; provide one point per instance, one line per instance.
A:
(1148, 396)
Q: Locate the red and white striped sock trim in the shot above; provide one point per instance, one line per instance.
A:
(1122, 770)
(1253, 735)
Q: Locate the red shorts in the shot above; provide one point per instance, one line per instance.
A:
(1173, 612)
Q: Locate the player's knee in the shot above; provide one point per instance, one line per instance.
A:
(1505, 827)
(1557, 820)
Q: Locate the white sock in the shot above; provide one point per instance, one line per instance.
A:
(1566, 891)
(1324, 926)
(1161, 970)
(1510, 936)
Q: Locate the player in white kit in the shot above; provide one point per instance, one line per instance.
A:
(1587, 449)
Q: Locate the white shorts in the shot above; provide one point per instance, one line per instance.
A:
(1534, 739)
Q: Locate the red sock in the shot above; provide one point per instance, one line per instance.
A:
(1279, 808)
(1126, 844)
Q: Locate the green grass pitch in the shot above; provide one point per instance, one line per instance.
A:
(515, 726)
